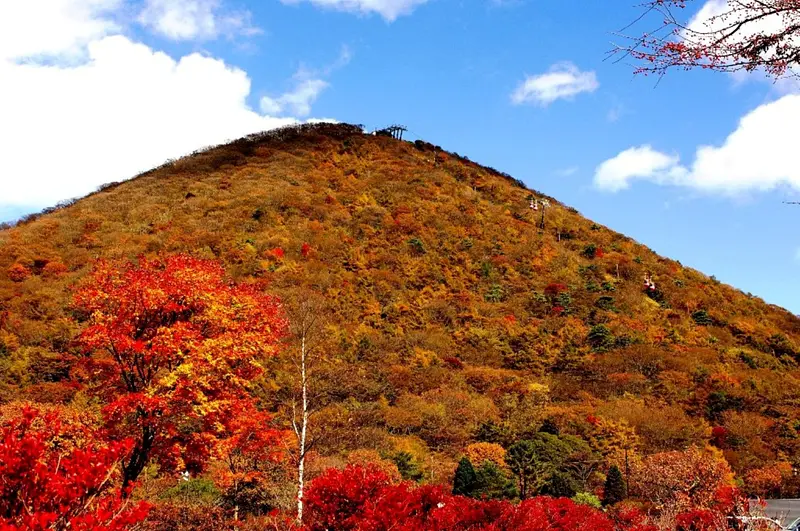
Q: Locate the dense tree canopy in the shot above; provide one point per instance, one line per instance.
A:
(454, 326)
(174, 346)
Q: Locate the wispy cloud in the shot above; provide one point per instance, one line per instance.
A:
(567, 172)
(194, 19)
(562, 81)
(390, 10)
(307, 86)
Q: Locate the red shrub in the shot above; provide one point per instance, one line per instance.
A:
(543, 513)
(554, 289)
(361, 498)
(18, 273)
(63, 487)
(337, 499)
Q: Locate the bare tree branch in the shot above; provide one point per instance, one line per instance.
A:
(747, 35)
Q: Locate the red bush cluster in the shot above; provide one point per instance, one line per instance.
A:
(363, 498)
(55, 478)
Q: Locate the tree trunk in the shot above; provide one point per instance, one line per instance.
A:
(138, 460)
(302, 435)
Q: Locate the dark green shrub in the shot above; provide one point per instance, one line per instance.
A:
(465, 478)
(406, 466)
(702, 318)
(492, 483)
(417, 245)
(605, 303)
(614, 490)
(600, 338)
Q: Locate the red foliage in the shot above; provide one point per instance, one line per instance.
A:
(561, 514)
(362, 498)
(338, 498)
(719, 436)
(630, 518)
(305, 250)
(174, 346)
(700, 520)
(277, 253)
(252, 446)
(60, 485)
(18, 273)
(554, 289)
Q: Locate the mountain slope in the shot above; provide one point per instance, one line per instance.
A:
(452, 315)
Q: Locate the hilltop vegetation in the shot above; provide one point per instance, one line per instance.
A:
(451, 317)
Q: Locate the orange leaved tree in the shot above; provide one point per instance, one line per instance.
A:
(171, 346)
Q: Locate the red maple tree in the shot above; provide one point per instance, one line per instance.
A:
(172, 346)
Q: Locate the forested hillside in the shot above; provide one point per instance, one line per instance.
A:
(453, 318)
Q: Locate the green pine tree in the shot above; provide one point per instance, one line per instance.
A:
(464, 482)
(614, 490)
(559, 486)
(492, 483)
(406, 466)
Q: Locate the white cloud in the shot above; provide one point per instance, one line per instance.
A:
(193, 19)
(30, 28)
(68, 126)
(308, 85)
(388, 9)
(716, 15)
(641, 162)
(562, 81)
(567, 172)
(297, 101)
(761, 154)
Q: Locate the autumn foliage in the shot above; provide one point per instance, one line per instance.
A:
(364, 498)
(455, 325)
(61, 477)
(173, 346)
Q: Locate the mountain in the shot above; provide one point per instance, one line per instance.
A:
(455, 312)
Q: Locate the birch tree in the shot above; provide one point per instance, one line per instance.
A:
(306, 317)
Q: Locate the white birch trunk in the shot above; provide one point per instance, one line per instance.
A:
(303, 430)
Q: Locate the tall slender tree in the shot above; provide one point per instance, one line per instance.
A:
(307, 320)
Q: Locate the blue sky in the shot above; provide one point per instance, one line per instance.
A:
(108, 88)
